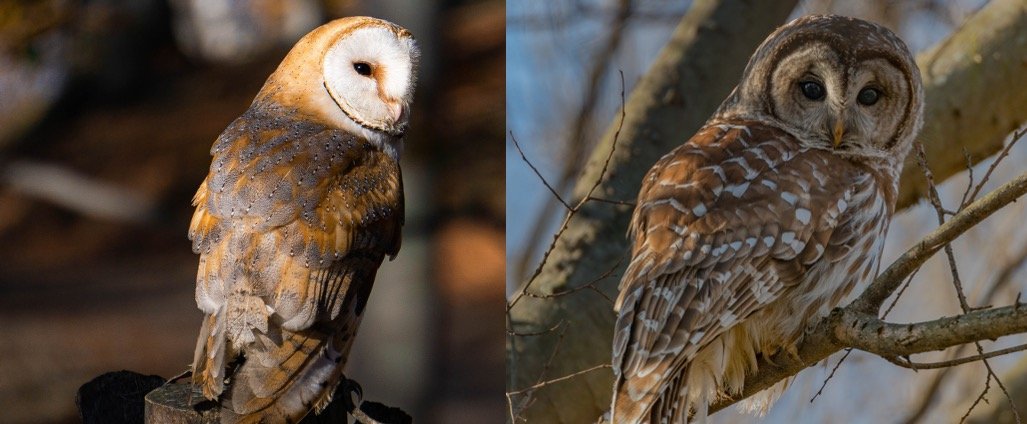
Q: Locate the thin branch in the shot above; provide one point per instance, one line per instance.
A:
(906, 363)
(895, 301)
(831, 375)
(970, 179)
(589, 285)
(1017, 135)
(987, 385)
(559, 379)
(935, 200)
(613, 148)
(868, 333)
(615, 202)
(535, 333)
(537, 173)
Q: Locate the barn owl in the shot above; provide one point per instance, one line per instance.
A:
(765, 219)
(303, 201)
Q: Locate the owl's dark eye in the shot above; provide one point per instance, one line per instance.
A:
(868, 96)
(362, 68)
(812, 90)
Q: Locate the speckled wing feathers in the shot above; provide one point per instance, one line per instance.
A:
(291, 226)
(723, 224)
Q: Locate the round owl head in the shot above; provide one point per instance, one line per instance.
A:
(355, 73)
(836, 83)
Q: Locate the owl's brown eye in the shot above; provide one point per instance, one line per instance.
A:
(812, 90)
(868, 96)
(362, 68)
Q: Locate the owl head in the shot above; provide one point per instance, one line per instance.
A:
(355, 73)
(835, 83)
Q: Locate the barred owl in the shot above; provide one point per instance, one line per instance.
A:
(765, 219)
(303, 202)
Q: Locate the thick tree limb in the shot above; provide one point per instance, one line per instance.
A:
(849, 328)
(973, 82)
(866, 332)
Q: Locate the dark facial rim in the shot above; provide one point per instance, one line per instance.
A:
(358, 121)
(800, 40)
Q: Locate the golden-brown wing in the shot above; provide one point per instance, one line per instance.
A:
(723, 224)
(291, 226)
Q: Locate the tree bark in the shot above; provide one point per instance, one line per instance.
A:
(973, 82)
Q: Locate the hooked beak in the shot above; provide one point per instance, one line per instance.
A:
(395, 111)
(839, 132)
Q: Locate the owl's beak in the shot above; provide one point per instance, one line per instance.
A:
(395, 111)
(839, 132)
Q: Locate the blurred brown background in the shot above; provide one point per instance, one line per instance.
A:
(108, 109)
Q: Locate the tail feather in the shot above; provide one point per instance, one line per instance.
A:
(209, 357)
(280, 382)
(675, 404)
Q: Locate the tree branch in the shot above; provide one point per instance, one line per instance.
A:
(906, 363)
(868, 333)
(849, 328)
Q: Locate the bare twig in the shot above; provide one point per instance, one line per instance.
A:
(535, 333)
(898, 295)
(984, 392)
(1002, 155)
(906, 363)
(615, 202)
(935, 200)
(559, 379)
(589, 285)
(1002, 279)
(537, 173)
(831, 375)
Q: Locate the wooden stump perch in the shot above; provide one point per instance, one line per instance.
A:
(118, 397)
(170, 404)
(180, 404)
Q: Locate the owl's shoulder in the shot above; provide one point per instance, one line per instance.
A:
(272, 168)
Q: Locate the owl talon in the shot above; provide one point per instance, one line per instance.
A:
(793, 352)
(353, 394)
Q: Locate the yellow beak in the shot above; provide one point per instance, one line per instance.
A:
(839, 131)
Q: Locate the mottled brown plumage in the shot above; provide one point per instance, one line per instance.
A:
(303, 202)
(763, 220)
